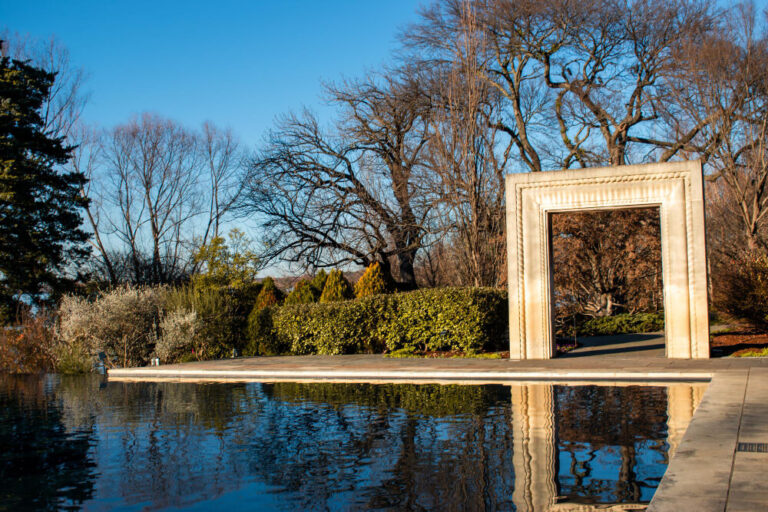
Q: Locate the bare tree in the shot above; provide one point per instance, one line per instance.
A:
(157, 193)
(86, 159)
(349, 196)
(223, 159)
(153, 169)
(583, 82)
(724, 88)
(66, 99)
(467, 159)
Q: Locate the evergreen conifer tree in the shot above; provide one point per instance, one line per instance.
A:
(302, 293)
(372, 282)
(337, 288)
(270, 295)
(318, 282)
(40, 219)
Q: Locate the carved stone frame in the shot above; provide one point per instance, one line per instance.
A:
(676, 188)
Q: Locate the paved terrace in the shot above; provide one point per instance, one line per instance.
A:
(721, 460)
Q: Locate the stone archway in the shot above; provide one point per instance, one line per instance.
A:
(675, 188)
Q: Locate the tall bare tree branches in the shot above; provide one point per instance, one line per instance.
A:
(66, 99)
(157, 193)
(353, 194)
(467, 159)
(595, 69)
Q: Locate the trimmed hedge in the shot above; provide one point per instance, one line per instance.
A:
(466, 319)
(624, 323)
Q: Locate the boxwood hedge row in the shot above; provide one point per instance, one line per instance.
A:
(466, 319)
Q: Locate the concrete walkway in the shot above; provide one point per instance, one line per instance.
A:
(365, 368)
(635, 345)
(718, 466)
(721, 461)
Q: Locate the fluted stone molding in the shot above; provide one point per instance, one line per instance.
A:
(675, 188)
(682, 401)
(533, 422)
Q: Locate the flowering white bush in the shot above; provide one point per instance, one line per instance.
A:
(122, 323)
(177, 335)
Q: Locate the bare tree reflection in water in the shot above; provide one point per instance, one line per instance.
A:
(43, 464)
(597, 424)
(292, 446)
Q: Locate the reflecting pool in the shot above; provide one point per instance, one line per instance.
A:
(86, 443)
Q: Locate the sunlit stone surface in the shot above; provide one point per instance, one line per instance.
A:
(676, 188)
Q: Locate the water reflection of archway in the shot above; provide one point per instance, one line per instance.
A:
(537, 442)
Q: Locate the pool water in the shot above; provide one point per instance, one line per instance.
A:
(72, 443)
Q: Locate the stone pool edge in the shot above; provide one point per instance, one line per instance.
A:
(407, 376)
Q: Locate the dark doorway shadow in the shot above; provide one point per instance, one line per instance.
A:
(642, 345)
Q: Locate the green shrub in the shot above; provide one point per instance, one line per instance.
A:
(261, 337)
(336, 288)
(318, 282)
(624, 323)
(465, 319)
(270, 295)
(72, 359)
(227, 264)
(222, 316)
(372, 282)
(303, 293)
(330, 328)
(220, 297)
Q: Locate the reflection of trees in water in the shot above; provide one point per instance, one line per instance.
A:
(173, 444)
(398, 447)
(608, 434)
(43, 465)
(320, 446)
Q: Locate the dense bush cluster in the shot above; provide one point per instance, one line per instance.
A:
(465, 319)
(742, 287)
(122, 323)
(624, 323)
(132, 324)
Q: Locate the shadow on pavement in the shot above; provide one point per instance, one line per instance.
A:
(650, 344)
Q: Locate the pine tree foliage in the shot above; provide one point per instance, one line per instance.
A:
(303, 293)
(337, 288)
(318, 282)
(372, 282)
(40, 217)
(270, 295)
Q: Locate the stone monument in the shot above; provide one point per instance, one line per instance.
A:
(675, 188)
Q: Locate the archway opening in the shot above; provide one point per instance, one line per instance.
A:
(607, 287)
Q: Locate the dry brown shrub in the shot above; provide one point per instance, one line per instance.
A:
(27, 347)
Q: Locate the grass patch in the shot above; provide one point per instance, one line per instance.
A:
(751, 352)
(448, 354)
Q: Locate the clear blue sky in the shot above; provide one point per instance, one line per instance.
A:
(238, 64)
